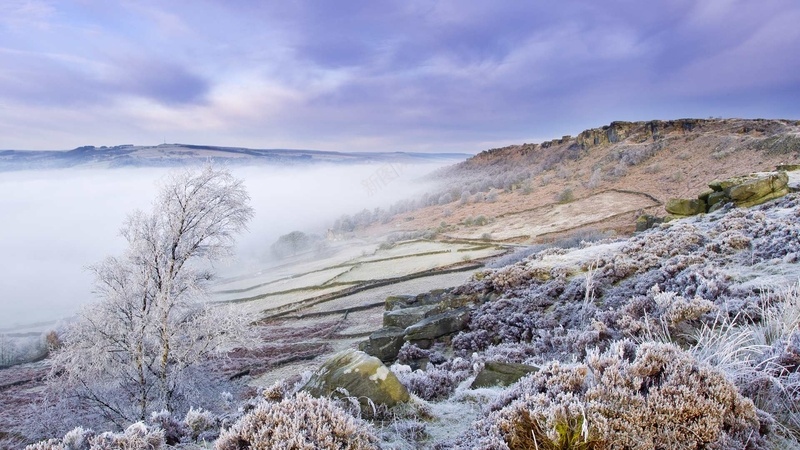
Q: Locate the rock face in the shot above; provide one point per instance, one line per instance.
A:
(743, 191)
(501, 374)
(618, 131)
(361, 376)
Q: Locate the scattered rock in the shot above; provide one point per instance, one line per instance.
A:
(398, 301)
(715, 198)
(501, 374)
(647, 221)
(355, 374)
(705, 195)
(408, 301)
(721, 185)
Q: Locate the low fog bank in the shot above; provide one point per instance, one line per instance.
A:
(56, 223)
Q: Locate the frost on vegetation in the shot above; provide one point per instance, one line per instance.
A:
(136, 437)
(658, 316)
(686, 352)
(142, 345)
(627, 397)
(301, 422)
(701, 262)
(435, 382)
(201, 424)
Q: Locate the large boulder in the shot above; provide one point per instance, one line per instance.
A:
(759, 200)
(501, 374)
(743, 191)
(685, 206)
(749, 190)
(758, 188)
(355, 374)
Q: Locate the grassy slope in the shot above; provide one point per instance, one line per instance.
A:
(672, 161)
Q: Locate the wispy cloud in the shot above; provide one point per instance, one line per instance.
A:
(405, 74)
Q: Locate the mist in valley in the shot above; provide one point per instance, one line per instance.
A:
(56, 223)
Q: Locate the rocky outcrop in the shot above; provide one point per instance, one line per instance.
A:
(743, 191)
(352, 373)
(421, 320)
(405, 317)
(641, 131)
(756, 189)
(434, 327)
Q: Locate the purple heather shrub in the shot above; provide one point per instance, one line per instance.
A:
(203, 426)
(297, 423)
(174, 430)
(542, 302)
(411, 354)
(77, 439)
(435, 382)
(136, 436)
(626, 397)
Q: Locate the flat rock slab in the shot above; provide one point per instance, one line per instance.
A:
(404, 318)
(438, 325)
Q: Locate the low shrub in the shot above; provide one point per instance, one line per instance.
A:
(300, 422)
(565, 196)
(135, 437)
(650, 396)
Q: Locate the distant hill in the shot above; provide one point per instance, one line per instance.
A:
(658, 159)
(169, 155)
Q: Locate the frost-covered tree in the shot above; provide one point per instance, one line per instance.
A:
(8, 351)
(132, 352)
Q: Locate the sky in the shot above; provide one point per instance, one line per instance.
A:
(364, 75)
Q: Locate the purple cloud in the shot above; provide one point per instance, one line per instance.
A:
(407, 74)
